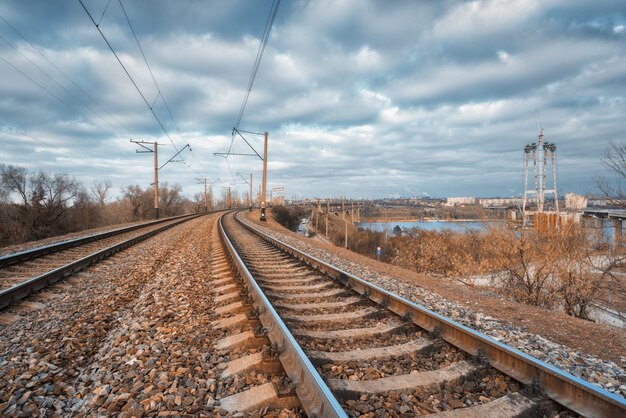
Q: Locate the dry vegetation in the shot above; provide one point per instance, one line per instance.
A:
(563, 270)
(37, 205)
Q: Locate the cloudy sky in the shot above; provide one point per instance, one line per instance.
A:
(360, 98)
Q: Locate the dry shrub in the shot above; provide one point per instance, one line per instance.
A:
(445, 253)
(528, 264)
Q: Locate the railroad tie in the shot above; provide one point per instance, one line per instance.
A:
(512, 405)
(222, 282)
(256, 398)
(233, 308)
(342, 316)
(322, 305)
(380, 353)
(354, 388)
(255, 361)
(310, 295)
(225, 289)
(302, 280)
(245, 339)
(233, 322)
(227, 297)
(297, 288)
(350, 333)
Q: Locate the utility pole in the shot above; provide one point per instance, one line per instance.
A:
(156, 167)
(264, 183)
(156, 170)
(346, 238)
(263, 158)
(206, 208)
(327, 213)
(343, 211)
(200, 181)
(351, 210)
(156, 181)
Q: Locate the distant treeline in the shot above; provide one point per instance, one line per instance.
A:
(37, 205)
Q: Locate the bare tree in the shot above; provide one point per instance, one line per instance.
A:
(171, 200)
(614, 158)
(528, 265)
(42, 199)
(578, 281)
(139, 199)
(100, 190)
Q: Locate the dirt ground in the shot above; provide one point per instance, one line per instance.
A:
(602, 341)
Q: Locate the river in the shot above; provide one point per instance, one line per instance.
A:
(456, 226)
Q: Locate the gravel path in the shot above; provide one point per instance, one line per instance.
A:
(607, 374)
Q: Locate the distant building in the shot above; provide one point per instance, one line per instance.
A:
(598, 202)
(455, 201)
(498, 202)
(575, 202)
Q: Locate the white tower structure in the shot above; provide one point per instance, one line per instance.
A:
(539, 153)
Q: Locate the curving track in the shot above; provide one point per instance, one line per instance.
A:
(354, 349)
(26, 272)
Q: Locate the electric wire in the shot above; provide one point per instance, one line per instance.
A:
(54, 95)
(255, 68)
(159, 94)
(12, 131)
(156, 84)
(67, 77)
(104, 11)
(41, 70)
(127, 73)
(259, 57)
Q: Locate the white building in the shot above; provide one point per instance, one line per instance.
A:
(575, 202)
(496, 202)
(454, 201)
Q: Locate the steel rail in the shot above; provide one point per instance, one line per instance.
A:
(25, 255)
(28, 287)
(317, 399)
(576, 394)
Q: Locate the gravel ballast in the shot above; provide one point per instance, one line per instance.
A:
(130, 336)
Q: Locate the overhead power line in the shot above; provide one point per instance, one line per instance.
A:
(69, 106)
(44, 72)
(158, 88)
(255, 68)
(159, 93)
(127, 73)
(259, 56)
(68, 78)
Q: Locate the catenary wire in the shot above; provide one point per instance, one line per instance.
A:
(44, 72)
(67, 77)
(156, 84)
(54, 95)
(127, 73)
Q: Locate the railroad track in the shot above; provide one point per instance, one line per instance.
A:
(27, 272)
(352, 348)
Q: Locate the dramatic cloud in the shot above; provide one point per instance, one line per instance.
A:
(361, 98)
